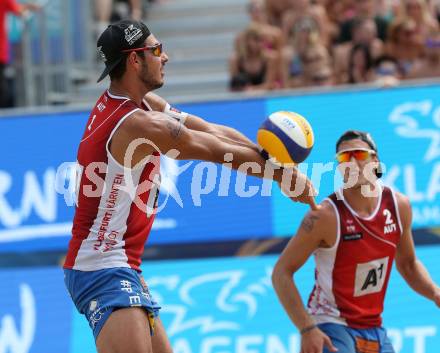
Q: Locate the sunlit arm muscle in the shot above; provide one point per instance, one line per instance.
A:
(411, 269)
(193, 122)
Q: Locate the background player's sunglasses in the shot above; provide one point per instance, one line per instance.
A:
(359, 154)
(156, 50)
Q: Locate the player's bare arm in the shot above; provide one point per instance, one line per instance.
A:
(411, 269)
(317, 230)
(193, 122)
(169, 134)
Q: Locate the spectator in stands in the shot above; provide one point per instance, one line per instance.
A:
(422, 15)
(304, 10)
(276, 9)
(404, 44)
(360, 64)
(429, 66)
(316, 64)
(387, 72)
(385, 9)
(105, 12)
(14, 7)
(364, 32)
(272, 35)
(435, 8)
(365, 9)
(304, 33)
(252, 66)
(339, 11)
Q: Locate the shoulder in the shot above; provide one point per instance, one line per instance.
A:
(401, 199)
(324, 214)
(321, 223)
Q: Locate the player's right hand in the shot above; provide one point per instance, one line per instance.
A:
(314, 342)
(437, 297)
(298, 187)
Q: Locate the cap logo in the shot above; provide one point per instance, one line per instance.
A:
(132, 34)
(101, 54)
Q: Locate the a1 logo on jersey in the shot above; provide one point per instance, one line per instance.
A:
(370, 277)
(390, 226)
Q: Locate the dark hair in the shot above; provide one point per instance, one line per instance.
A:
(367, 56)
(119, 70)
(358, 22)
(363, 136)
(357, 135)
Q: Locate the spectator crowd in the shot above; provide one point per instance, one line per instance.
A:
(305, 43)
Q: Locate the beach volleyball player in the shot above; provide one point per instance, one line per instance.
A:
(355, 236)
(112, 219)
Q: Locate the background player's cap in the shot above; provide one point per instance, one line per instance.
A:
(119, 36)
(360, 135)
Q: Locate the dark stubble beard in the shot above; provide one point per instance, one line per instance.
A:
(147, 80)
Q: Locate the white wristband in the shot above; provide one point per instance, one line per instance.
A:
(175, 113)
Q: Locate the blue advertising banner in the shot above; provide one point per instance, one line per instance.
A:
(35, 311)
(228, 305)
(32, 214)
(208, 306)
(212, 203)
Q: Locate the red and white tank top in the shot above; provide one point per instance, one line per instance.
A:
(351, 278)
(115, 205)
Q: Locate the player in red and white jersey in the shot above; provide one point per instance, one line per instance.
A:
(355, 236)
(117, 184)
(107, 220)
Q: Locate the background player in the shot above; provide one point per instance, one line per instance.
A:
(355, 238)
(110, 225)
(7, 6)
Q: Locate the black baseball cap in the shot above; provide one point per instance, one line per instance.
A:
(363, 136)
(119, 36)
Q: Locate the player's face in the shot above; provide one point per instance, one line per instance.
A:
(357, 163)
(152, 66)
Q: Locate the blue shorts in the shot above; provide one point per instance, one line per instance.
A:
(351, 340)
(97, 294)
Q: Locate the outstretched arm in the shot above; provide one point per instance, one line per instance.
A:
(317, 229)
(225, 133)
(156, 131)
(411, 269)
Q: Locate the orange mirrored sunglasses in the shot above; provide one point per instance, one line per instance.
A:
(156, 50)
(358, 154)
